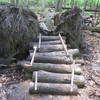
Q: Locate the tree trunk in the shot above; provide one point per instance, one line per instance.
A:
(72, 3)
(85, 4)
(42, 3)
(57, 68)
(13, 1)
(59, 5)
(54, 89)
(97, 5)
(17, 2)
(48, 77)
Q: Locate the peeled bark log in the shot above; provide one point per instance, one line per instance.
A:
(54, 89)
(57, 68)
(52, 42)
(51, 38)
(54, 60)
(46, 43)
(46, 47)
(50, 48)
(74, 52)
(49, 77)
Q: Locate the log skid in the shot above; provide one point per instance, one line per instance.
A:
(48, 77)
(57, 68)
(54, 89)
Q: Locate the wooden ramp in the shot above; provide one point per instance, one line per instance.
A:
(55, 72)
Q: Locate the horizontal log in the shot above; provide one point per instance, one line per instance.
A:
(48, 77)
(50, 48)
(46, 47)
(53, 89)
(54, 60)
(57, 68)
(46, 43)
(50, 38)
(74, 52)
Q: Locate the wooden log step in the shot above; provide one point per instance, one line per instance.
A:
(74, 52)
(50, 48)
(51, 38)
(57, 68)
(53, 89)
(48, 77)
(54, 60)
(47, 43)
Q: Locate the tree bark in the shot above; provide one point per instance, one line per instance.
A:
(57, 68)
(54, 89)
(48, 77)
(54, 60)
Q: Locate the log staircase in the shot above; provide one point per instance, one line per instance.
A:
(53, 67)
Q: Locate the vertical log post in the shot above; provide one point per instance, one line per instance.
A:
(72, 78)
(40, 39)
(36, 80)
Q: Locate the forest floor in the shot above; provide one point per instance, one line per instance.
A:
(91, 56)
